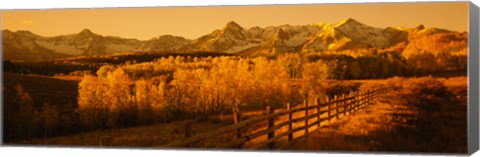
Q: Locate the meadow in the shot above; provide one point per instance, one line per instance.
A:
(135, 102)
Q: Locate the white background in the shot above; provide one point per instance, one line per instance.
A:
(83, 152)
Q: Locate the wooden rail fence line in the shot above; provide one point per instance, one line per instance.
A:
(338, 106)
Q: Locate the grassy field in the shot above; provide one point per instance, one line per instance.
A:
(394, 124)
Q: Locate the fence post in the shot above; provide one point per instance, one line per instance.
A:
(347, 104)
(344, 103)
(329, 108)
(236, 119)
(350, 102)
(290, 125)
(318, 111)
(365, 98)
(362, 94)
(305, 102)
(371, 95)
(374, 96)
(335, 99)
(357, 98)
(354, 101)
(270, 125)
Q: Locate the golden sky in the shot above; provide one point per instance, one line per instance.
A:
(192, 22)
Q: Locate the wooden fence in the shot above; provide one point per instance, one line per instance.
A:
(312, 116)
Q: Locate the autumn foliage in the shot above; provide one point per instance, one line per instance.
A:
(121, 96)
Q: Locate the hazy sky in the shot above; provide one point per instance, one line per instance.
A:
(192, 22)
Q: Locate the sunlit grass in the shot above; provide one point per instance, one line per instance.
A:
(396, 123)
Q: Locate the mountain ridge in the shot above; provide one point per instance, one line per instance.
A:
(232, 38)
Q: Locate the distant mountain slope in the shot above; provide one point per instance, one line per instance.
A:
(351, 34)
(24, 45)
(166, 43)
(88, 43)
(21, 45)
(285, 39)
(234, 39)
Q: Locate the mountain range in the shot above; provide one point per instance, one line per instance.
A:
(234, 39)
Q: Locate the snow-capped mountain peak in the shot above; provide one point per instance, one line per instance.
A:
(232, 38)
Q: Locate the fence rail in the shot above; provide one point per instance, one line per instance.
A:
(333, 108)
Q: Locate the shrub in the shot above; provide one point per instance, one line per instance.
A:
(457, 86)
(427, 94)
(371, 85)
(339, 88)
(396, 81)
